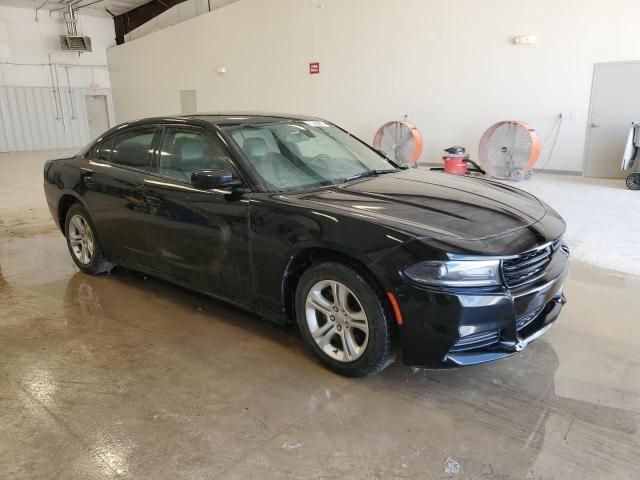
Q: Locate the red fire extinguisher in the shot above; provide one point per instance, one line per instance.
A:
(456, 161)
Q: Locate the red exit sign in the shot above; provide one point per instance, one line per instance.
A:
(314, 68)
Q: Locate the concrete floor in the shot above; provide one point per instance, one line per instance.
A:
(602, 215)
(123, 376)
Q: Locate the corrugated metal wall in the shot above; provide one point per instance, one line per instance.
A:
(39, 118)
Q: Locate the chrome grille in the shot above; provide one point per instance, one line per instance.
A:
(528, 266)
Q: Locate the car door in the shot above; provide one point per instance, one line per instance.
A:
(199, 237)
(114, 181)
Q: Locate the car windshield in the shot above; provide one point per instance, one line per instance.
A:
(295, 155)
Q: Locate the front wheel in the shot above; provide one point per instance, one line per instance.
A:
(343, 319)
(83, 243)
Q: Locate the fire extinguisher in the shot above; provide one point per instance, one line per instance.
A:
(457, 162)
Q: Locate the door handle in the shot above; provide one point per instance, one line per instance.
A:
(594, 125)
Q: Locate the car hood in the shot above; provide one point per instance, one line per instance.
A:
(432, 204)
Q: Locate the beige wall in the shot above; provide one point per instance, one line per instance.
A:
(27, 47)
(448, 64)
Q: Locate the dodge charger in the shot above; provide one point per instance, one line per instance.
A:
(299, 221)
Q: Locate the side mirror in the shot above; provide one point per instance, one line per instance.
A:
(210, 179)
(404, 166)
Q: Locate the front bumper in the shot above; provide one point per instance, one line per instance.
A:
(443, 329)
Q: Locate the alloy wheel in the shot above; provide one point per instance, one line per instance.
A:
(81, 239)
(336, 320)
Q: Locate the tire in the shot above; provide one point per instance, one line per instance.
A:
(633, 181)
(358, 318)
(82, 242)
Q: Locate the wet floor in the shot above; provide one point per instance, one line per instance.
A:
(124, 376)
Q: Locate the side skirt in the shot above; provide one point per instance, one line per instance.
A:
(279, 318)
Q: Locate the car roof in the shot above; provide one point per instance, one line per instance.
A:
(246, 117)
(212, 118)
(227, 118)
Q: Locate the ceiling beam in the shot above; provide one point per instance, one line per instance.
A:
(132, 19)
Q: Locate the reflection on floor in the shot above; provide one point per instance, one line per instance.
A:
(602, 217)
(124, 376)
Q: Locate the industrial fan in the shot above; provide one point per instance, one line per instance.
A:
(400, 141)
(509, 150)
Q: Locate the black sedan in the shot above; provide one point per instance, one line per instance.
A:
(299, 221)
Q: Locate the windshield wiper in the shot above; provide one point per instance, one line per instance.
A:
(368, 173)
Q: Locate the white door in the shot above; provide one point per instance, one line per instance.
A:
(188, 101)
(97, 115)
(615, 103)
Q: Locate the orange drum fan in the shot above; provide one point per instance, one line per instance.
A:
(509, 150)
(400, 141)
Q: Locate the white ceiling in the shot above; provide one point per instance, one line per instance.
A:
(115, 6)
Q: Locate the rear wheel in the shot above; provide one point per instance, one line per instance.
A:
(343, 319)
(83, 243)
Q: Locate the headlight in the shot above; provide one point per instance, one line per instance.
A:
(462, 273)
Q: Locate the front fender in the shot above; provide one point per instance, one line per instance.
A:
(280, 233)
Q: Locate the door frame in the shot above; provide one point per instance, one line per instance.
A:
(585, 159)
(107, 110)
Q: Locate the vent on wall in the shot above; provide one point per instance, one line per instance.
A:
(77, 43)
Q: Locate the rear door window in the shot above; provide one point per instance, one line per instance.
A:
(134, 148)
